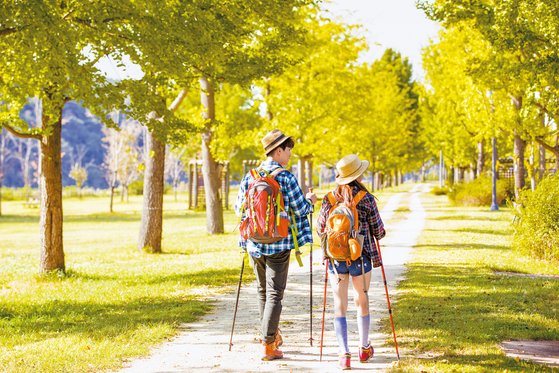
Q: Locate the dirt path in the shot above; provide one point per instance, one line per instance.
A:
(203, 346)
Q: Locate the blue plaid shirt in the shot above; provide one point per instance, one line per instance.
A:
(295, 201)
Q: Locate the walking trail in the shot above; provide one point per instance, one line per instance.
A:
(204, 345)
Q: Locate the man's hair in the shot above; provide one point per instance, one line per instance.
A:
(289, 143)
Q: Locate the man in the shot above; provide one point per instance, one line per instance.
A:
(271, 261)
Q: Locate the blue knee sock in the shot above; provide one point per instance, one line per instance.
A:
(340, 326)
(363, 324)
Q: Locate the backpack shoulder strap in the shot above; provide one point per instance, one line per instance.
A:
(359, 196)
(277, 171)
(254, 173)
(331, 198)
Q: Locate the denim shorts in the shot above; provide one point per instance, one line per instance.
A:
(354, 269)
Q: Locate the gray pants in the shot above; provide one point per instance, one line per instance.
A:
(271, 279)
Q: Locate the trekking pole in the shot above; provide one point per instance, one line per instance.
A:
(310, 281)
(387, 297)
(237, 302)
(323, 309)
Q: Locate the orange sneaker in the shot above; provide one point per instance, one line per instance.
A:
(271, 351)
(279, 339)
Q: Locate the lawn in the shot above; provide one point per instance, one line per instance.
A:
(114, 302)
(454, 309)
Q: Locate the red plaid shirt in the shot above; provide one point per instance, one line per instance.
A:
(370, 223)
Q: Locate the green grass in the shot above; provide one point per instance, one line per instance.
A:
(114, 302)
(453, 309)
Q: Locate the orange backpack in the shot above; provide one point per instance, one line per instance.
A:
(266, 220)
(342, 225)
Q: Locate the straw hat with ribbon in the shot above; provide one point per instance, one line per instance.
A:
(350, 168)
(273, 139)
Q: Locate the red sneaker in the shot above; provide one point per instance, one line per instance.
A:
(345, 361)
(366, 353)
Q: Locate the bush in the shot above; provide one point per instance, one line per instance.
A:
(537, 221)
(136, 188)
(478, 192)
(438, 191)
(73, 191)
(17, 194)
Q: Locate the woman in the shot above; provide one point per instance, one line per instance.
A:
(349, 172)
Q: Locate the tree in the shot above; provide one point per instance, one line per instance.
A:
(79, 175)
(312, 101)
(389, 118)
(523, 38)
(2, 160)
(174, 168)
(50, 51)
(249, 53)
(129, 165)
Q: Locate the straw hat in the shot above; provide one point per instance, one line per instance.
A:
(350, 168)
(273, 139)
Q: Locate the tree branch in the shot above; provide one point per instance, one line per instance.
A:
(178, 100)
(22, 135)
(542, 142)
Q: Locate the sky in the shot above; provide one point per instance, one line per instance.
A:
(395, 24)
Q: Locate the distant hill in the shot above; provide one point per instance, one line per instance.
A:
(81, 138)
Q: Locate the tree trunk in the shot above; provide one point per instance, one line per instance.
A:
(2, 147)
(301, 173)
(112, 198)
(308, 169)
(26, 164)
(210, 168)
(451, 176)
(532, 168)
(541, 163)
(269, 114)
(519, 168)
(480, 158)
(461, 174)
(151, 229)
(50, 223)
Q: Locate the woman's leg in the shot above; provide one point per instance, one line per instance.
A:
(360, 289)
(340, 293)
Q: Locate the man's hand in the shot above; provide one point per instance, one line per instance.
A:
(311, 196)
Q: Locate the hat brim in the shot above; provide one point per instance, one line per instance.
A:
(349, 178)
(274, 146)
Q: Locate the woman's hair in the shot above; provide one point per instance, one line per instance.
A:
(359, 185)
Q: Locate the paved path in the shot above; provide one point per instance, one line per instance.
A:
(203, 346)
